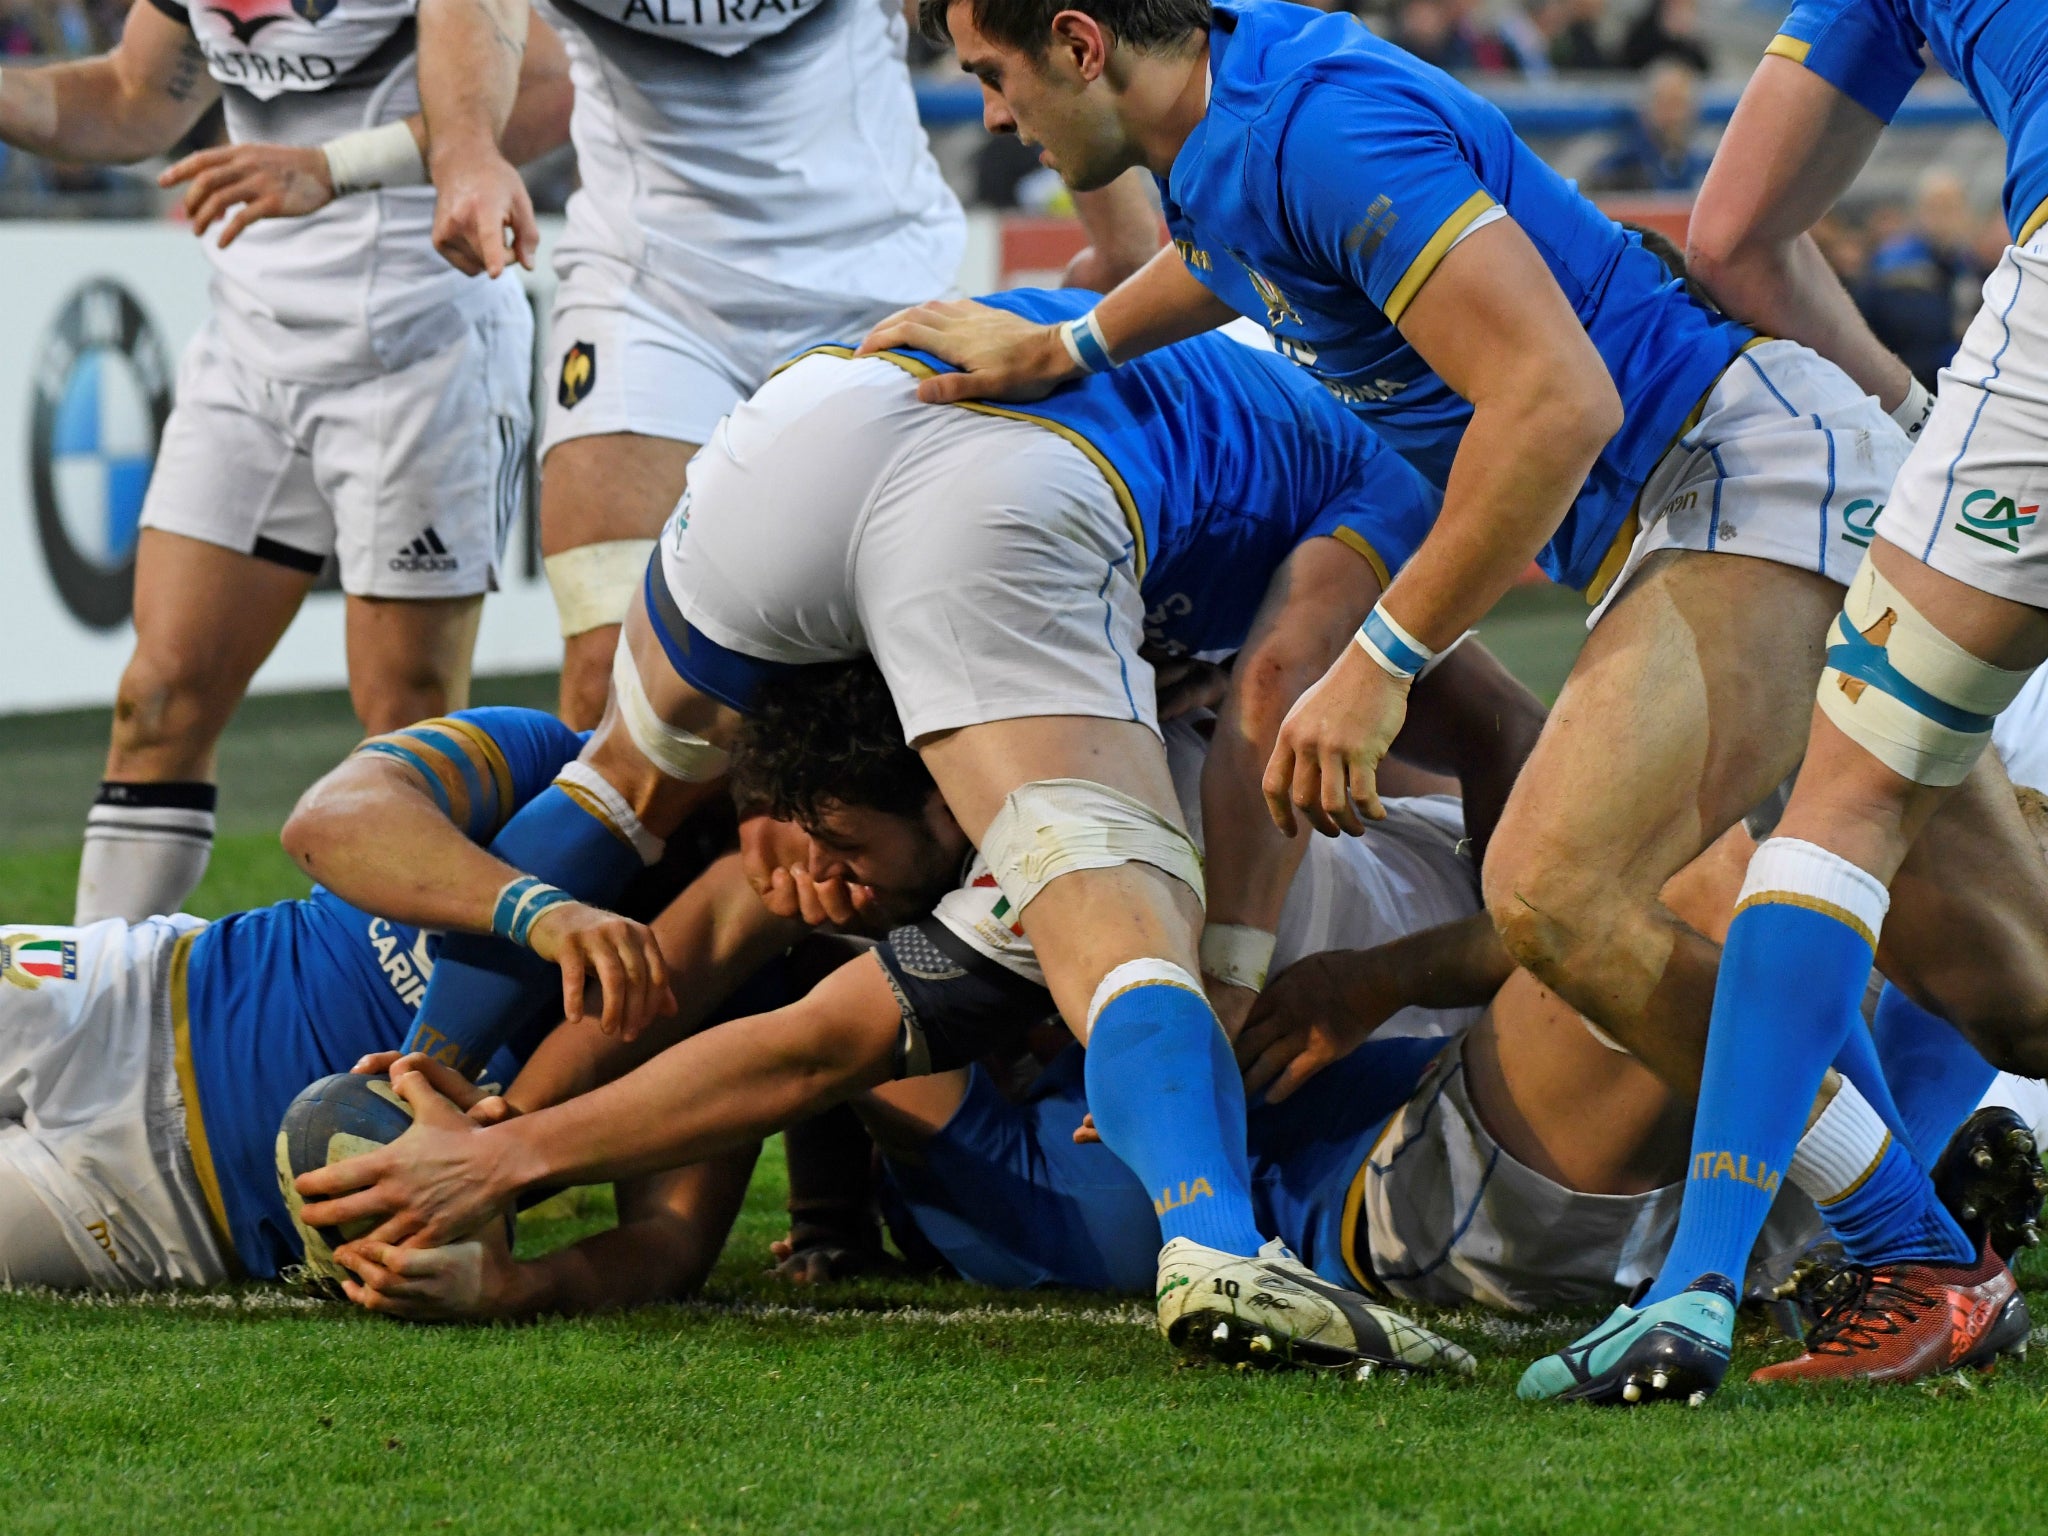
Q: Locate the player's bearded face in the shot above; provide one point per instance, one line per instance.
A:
(909, 862)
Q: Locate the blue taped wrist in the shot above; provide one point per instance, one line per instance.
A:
(519, 903)
(1391, 646)
(1086, 335)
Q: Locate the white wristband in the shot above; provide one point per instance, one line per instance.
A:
(1237, 954)
(1913, 411)
(371, 158)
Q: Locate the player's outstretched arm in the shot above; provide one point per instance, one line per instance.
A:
(716, 1091)
(243, 183)
(1792, 149)
(132, 102)
(384, 836)
(1002, 356)
(1493, 324)
(470, 54)
(672, 1227)
(1325, 1006)
(1312, 606)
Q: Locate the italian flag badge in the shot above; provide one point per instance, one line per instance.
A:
(28, 961)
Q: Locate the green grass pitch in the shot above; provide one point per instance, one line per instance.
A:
(900, 1407)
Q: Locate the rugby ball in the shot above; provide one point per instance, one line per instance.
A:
(329, 1122)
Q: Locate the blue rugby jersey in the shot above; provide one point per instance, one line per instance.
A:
(1225, 459)
(1869, 50)
(276, 998)
(1327, 179)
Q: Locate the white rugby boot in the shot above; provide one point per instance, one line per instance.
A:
(1273, 1310)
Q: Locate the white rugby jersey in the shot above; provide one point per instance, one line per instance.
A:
(734, 148)
(356, 288)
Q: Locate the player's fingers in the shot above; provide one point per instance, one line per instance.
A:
(1306, 793)
(339, 1207)
(342, 1178)
(888, 333)
(1278, 780)
(1276, 1056)
(949, 388)
(1296, 1073)
(571, 960)
(525, 233)
(491, 1110)
(376, 1061)
(1365, 791)
(1337, 803)
(1085, 1133)
(429, 1105)
(184, 170)
(247, 214)
(611, 982)
(1258, 1033)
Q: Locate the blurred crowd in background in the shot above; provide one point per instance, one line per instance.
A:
(1913, 245)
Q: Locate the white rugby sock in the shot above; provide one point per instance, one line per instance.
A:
(146, 847)
(1841, 1148)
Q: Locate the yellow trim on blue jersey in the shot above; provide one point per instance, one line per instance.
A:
(1359, 545)
(1354, 1200)
(493, 757)
(2033, 225)
(1426, 260)
(1126, 503)
(188, 1087)
(594, 808)
(1784, 46)
(441, 769)
(1625, 536)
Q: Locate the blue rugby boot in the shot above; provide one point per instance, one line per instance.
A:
(1675, 1349)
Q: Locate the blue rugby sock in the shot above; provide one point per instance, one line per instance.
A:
(1792, 972)
(1168, 1099)
(486, 989)
(1936, 1075)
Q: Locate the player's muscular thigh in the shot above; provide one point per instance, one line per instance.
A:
(595, 490)
(1688, 705)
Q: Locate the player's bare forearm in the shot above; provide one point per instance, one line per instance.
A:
(370, 832)
(1314, 604)
(671, 1230)
(1159, 304)
(126, 105)
(714, 1092)
(1793, 147)
(714, 936)
(1494, 325)
(471, 53)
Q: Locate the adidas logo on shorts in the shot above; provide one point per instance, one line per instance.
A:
(425, 553)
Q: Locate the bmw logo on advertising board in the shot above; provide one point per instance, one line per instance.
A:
(102, 393)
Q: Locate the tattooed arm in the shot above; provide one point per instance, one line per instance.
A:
(470, 53)
(127, 104)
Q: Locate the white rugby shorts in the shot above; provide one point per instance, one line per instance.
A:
(1789, 461)
(2021, 734)
(1969, 500)
(92, 1117)
(1454, 1220)
(410, 479)
(630, 353)
(983, 561)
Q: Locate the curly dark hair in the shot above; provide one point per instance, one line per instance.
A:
(827, 735)
(1150, 26)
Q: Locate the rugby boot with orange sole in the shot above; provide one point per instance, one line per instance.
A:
(1903, 1322)
(1990, 1178)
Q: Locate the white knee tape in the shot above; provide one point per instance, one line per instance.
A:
(594, 584)
(680, 754)
(1053, 827)
(1901, 689)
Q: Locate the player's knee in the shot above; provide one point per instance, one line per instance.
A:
(2003, 1016)
(168, 702)
(587, 676)
(1903, 691)
(397, 697)
(1542, 908)
(1054, 827)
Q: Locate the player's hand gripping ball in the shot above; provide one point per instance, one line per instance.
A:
(336, 1118)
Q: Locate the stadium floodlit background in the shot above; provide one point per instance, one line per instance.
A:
(921, 1405)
